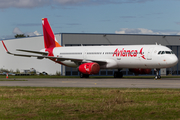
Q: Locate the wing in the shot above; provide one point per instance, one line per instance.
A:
(45, 55)
(36, 52)
(23, 55)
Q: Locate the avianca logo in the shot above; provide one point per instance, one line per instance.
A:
(87, 69)
(142, 54)
(127, 53)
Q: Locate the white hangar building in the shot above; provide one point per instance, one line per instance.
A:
(77, 39)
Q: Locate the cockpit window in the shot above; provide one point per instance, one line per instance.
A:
(172, 52)
(168, 52)
(165, 52)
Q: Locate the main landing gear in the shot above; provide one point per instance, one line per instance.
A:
(157, 74)
(84, 75)
(118, 74)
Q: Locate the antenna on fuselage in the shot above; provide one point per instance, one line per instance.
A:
(157, 43)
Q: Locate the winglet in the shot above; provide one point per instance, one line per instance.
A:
(5, 47)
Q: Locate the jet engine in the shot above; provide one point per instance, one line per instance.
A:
(89, 68)
(140, 71)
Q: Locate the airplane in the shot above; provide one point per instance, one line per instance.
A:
(139, 59)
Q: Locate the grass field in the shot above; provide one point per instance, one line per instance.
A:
(88, 103)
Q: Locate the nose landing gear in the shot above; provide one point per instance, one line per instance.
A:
(157, 75)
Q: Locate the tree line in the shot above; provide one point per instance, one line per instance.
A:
(20, 36)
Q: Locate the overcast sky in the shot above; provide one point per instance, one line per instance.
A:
(90, 16)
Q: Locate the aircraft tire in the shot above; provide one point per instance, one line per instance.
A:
(115, 74)
(84, 75)
(118, 74)
(157, 77)
(81, 75)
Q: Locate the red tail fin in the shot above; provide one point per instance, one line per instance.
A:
(49, 38)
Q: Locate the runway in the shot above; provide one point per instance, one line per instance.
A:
(91, 82)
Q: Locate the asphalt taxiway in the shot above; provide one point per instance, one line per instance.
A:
(91, 82)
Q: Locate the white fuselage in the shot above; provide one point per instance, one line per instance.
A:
(123, 56)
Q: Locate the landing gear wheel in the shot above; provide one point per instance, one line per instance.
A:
(157, 74)
(81, 75)
(115, 74)
(159, 77)
(84, 75)
(118, 74)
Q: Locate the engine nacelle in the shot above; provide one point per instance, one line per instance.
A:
(140, 71)
(89, 68)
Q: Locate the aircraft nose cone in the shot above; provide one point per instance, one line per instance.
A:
(173, 60)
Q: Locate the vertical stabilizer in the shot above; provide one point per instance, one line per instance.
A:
(49, 38)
